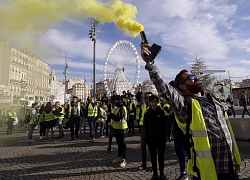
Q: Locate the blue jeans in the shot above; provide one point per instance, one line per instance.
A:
(92, 123)
(179, 152)
(60, 127)
(102, 124)
(83, 124)
(31, 128)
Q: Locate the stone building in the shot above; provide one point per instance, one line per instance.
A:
(25, 77)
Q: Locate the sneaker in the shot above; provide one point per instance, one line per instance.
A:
(162, 177)
(102, 137)
(41, 137)
(154, 177)
(45, 139)
(123, 163)
(93, 140)
(141, 167)
(32, 140)
(117, 160)
(183, 176)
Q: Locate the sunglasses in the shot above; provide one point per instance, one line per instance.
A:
(190, 77)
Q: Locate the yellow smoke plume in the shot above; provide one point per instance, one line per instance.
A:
(29, 16)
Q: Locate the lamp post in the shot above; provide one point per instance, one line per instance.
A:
(65, 77)
(93, 33)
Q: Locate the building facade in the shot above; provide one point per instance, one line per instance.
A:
(82, 91)
(24, 77)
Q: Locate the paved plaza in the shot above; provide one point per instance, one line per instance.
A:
(82, 159)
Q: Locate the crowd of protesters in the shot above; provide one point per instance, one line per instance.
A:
(116, 116)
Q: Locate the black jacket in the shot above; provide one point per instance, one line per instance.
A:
(154, 126)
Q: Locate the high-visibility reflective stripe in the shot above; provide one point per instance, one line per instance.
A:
(119, 122)
(199, 133)
(233, 139)
(203, 154)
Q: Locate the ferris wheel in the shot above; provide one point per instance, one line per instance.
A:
(121, 67)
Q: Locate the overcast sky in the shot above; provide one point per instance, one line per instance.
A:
(217, 31)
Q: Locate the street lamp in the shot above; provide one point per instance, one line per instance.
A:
(93, 33)
(65, 77)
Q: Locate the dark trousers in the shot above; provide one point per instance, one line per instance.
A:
(232, 109)
(10, 125)
(179, 152)
(143, 150)
(107, 128)
(120, 139)
(74, 123)
(245, 110)
(92, 125)
(154, 149)
(42, 128)
(131, 126)
(110, 136)
(169, 127)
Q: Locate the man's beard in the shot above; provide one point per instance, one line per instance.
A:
(195, 88)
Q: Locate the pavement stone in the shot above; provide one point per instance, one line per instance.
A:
(82, 159)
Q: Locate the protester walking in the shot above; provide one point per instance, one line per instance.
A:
(244, 102)
(74, 114)
(92, 113)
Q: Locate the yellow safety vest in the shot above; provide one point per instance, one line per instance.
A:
(32, 121)
(101, 112)
(62, 112)
(42, 117)
(204, 159)
(49, 116)
(137, 114)
(78, 107)
(10, 116)
(92, 111)
(122, 124)
(165, 112)
(143, 110)
(131, 108)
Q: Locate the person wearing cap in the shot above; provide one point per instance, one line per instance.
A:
(214, 153)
